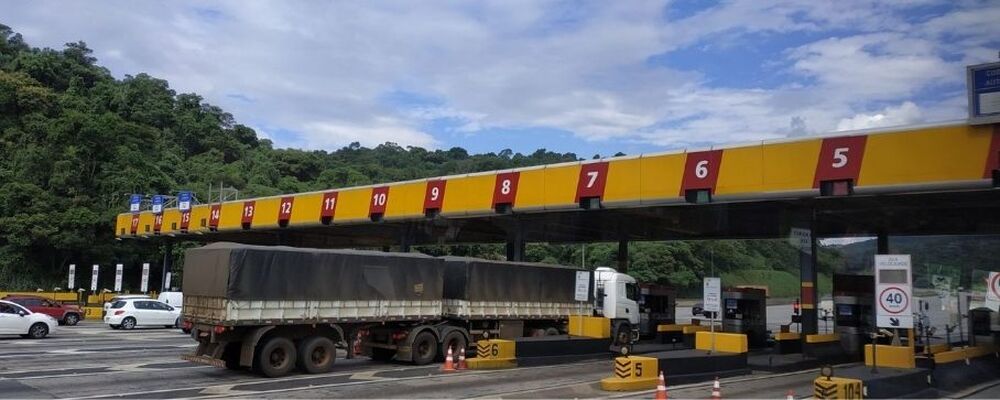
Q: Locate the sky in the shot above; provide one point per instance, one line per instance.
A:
(589, 77)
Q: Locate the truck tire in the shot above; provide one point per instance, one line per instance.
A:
(454, 340)
(316, 354)
(622, 334)
(276, 357)
(424, 348)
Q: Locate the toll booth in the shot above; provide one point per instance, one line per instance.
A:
(745, 311)
(983, 326)
(852, 309)
(656, 307)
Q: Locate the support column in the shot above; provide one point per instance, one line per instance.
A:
(515, 243)
(882, 243)
(623, 256)
(807, 274)
(168, 261)
(406, 239)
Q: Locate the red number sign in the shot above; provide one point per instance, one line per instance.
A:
(701, 171)
(157, 223)
(214, 215)
(839, 159)
(285, 208)
(505, 188)
(434, 196)
(185, 220)
(329, 205)
(135, 224)
(249, 208)
(593, 178)
(380, 197)
(993, 159)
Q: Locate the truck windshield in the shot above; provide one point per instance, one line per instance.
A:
(632, 291)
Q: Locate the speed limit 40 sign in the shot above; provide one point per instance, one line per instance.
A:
(893, 291)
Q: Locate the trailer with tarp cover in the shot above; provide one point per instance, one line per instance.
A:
(272, 307)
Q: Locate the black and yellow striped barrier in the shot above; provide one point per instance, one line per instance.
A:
(837, 388)
(493, 354)
(632, 373)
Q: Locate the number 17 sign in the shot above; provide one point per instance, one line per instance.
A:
(893, 291)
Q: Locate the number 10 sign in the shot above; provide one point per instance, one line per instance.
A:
(893, 291)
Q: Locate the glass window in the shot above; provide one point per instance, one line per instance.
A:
(141, 305)
(7, 309)
(118, 304)
(632, 291)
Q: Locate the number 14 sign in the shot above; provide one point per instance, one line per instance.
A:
(893, 291)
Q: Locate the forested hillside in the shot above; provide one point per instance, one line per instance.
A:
(75, 141)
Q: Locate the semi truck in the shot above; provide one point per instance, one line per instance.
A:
(274, 308)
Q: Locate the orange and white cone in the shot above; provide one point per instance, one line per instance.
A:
(661, 388)
(716, 390)
(790, 396)
(449, 362)
(357, 345)
(461, 359)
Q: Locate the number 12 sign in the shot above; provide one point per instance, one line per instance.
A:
(893, 291)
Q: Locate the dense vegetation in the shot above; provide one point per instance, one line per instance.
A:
(75, 141)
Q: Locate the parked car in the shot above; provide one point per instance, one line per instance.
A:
(130, 313)
(698, 310)
(122, 297)
(66, 314)
(17, 320)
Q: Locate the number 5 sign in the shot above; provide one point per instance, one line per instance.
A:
(893, 291)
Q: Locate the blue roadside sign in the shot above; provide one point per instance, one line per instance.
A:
(984, 93)
(184, 201)
(157, 204)
(133, 203)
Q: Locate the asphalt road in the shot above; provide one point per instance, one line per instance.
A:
(93, 361)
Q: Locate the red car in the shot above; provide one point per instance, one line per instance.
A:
(66, 314)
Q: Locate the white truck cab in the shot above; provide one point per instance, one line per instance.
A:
(617, 295)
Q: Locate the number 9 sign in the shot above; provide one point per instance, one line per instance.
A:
(434, 195)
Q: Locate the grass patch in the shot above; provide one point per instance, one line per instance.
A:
(779, 283)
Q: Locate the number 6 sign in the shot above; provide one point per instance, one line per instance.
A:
(701, 171)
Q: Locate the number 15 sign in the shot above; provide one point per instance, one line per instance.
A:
(893, 291)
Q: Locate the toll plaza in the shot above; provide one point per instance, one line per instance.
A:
(916, 181)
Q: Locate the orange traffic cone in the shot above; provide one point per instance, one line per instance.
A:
(357, 345)
(716, 392)
(461, 359)
(661, 388)
(449, 362)
(790, 396)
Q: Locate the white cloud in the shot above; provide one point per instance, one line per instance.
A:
(330, 134)
(323, 69)
(904, 114)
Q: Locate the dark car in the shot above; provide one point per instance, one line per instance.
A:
(698, 310)
(66, 314)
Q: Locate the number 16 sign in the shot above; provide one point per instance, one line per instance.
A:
(893, 291)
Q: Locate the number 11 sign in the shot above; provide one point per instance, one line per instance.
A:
(893, 291)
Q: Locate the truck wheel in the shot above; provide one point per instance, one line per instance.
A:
(424, 348)
(316, 354)
(382, 355)
(71, 319)
(454, 340)
(276, 357)
(622, 333)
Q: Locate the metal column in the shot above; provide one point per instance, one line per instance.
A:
(807, 274)
(168, 261)
(515, 243)
(623, 256)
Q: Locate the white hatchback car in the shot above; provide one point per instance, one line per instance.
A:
(122, 297)
(129, 313)
(17, 320)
